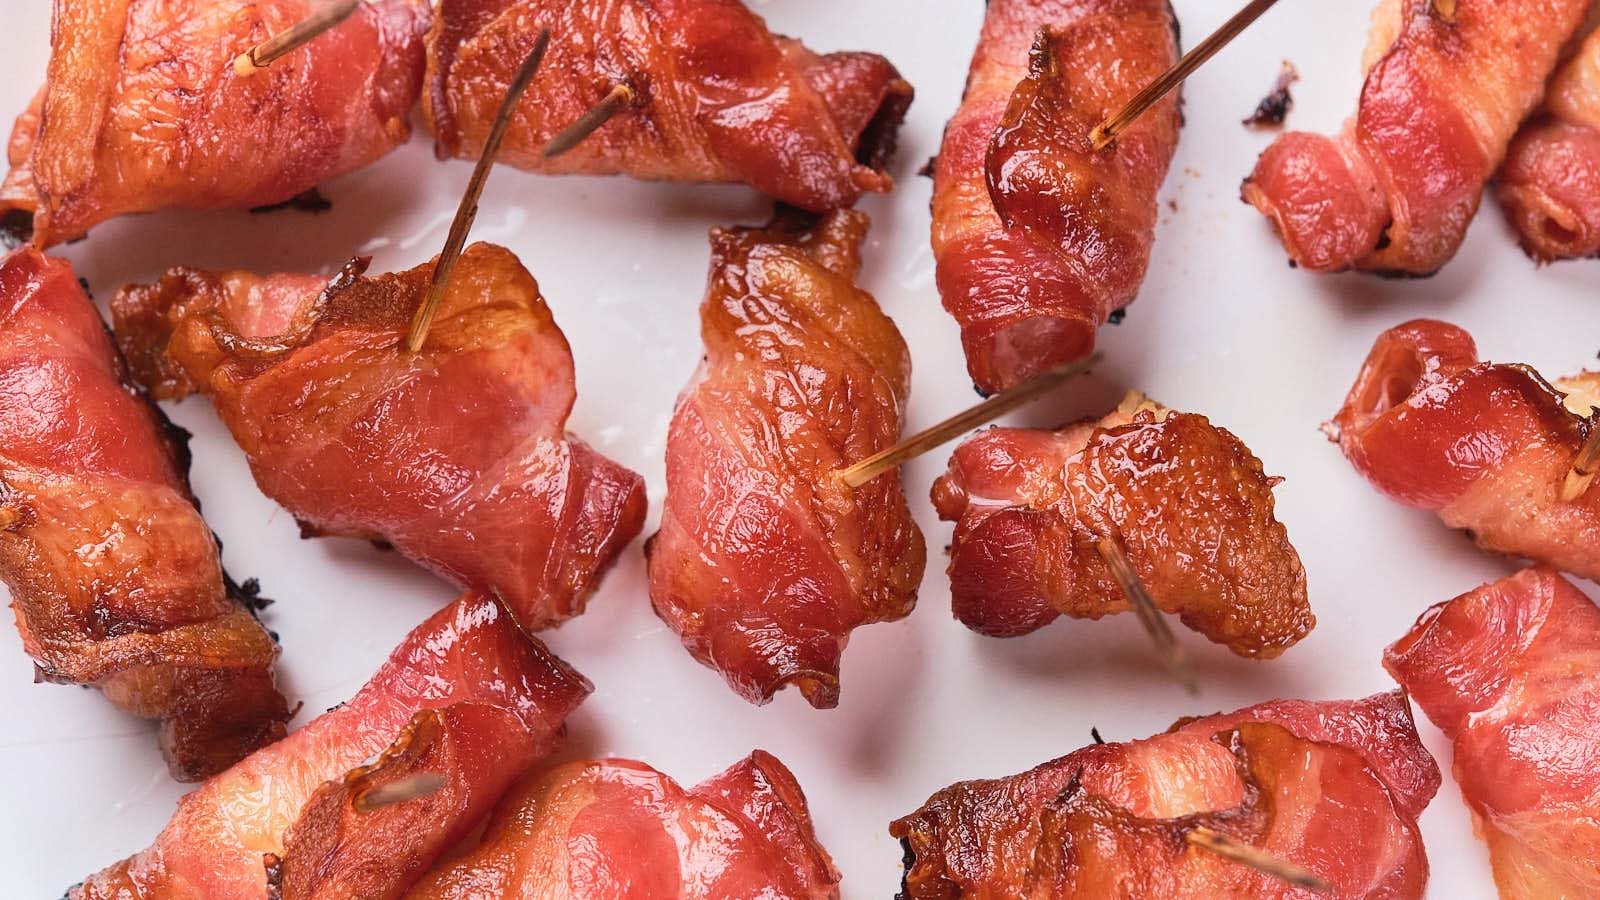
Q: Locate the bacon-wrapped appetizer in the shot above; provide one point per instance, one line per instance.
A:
(115, 579)
(715, 96)
(1039, 237)
(1511, 673)
(1187, 501)
(617, 828)
(466, 696)
(1441, 102)
(142, 110)
(1549, 185)
(1334, 786)
(765, 561)
(1486, 446)
(455, 455)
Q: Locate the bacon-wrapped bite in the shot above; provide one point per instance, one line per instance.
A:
(455, 455)
(1511, 673)
(1549, 185)
(115, 579)
(765, 561)
(1038, 237)
(1486, 446)
(716, 97)
(1187, 500)
(1441, 102)
(1333, 786)
(617, 828)
(466, 696)
(141, 109)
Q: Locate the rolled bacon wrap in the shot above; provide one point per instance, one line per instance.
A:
(1039, 238)
(765, 562)
(1334, 786)
(1511, 673)
(1487, 446)
(455, 455)
(716, 97)
(115, 579)
(141, 109)
(1440, 103)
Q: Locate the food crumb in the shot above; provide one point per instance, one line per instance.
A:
(1275, 106)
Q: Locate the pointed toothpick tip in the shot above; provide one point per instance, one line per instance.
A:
(294, 37)
(615, 101)
(1446, 9)
(1584, 467)
(412, 787)
(1150, 616)
(1263, 862)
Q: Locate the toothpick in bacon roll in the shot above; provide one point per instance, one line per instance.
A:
(765, 562)
(456, 455)
(1333, 786)
(1441, 101)
(1190, 504)
(1038, 237)
(115, 579)
(716, 97)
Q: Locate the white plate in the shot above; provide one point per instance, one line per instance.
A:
(1223, 327)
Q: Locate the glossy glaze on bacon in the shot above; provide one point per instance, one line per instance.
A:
(464, 669)
(1486, 446)
(1549, 185)
(1334, 786)
(141, 109)
(716, 96)
(455, 455)
(1038, 238)
(1511, 673)
(1188, 501)
(765, 562)
(1440, 103)
(617, 828)
(115, 579)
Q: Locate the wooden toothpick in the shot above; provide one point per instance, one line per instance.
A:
(411, 787)
(1446, 9)
(1150, 616)
(1585, 466)
(615, 101)
(284, 42)
(1265, 863)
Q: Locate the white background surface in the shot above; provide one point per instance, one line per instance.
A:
(1223, 327)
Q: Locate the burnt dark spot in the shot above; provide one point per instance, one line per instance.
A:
(311, 201)
(908, 860)
(1095, 733)
(1383, 236)
(929, 167)
(1275, 106)
(84, 283)
(1117, 316)
(16, 228)
(273, 864)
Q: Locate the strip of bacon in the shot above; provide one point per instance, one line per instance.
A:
(716, 96)
(455, 455)
(765, 561)
(1486, 446)
(1038, 237)
(141, 109)
(464, 663)
(1441, 101)
(1549, 185)
(115, 579)
(1511, 673)
(1334, 786)
(618, 828)
(1190, 503)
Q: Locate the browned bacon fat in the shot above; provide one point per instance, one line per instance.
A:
(1038, 237)
(141, 109)
(1187, 500)
(1335, 787)
(114, 577)
(1441, 101)
(715, 96)
(1511, 673)
(1486, 446)
(456, 455)
(765, 561)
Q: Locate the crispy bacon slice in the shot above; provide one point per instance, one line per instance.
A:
(1335, 786)
(717, 97)
(1039, 238)
(449, 678)
(1511, 673)
(115, 579)
(455, 455)
(141, 109)
(1486, 446)
(765, 562)
(618, 828)
(1440, 103)
(1188, 501)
